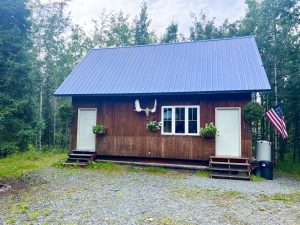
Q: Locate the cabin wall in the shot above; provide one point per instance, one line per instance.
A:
(127, 135)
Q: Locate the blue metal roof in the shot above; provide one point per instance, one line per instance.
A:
(218, 65)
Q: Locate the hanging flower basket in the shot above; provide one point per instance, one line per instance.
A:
(209, 131)
(153, 126)
(100, 129)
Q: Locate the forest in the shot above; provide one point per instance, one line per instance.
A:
(40, 45)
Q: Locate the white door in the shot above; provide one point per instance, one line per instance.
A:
(86, 140)
(228, 138)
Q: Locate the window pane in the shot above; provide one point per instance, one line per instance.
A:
(192, 127)
(167, 120)
(167, 126)
(179, 120)
(167, 114)
(192, 113)
(179, 127)
(179, 113)
(192, 120)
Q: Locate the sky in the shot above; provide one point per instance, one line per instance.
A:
(161, 12)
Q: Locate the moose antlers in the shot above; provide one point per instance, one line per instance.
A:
(147, 110)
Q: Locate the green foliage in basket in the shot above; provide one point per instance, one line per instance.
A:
(208, 131)
(99, 129)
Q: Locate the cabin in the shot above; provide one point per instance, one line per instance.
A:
(182, 86)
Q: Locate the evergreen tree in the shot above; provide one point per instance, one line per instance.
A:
(16, 92)
(203, 28)
(100, 30)
(228, 29)
(120, 33)
(142, 34)
(171, 34)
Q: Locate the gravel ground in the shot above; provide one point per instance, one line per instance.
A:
(80, 196)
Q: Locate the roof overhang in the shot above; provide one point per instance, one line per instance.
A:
(165, 93)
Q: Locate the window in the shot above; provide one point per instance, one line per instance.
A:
(184, 120)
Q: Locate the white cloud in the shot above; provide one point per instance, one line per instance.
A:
(161, 12)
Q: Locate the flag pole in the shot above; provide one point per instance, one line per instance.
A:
(276, 102)
(276, 97)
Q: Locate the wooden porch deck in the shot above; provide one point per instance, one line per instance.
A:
(165, 163)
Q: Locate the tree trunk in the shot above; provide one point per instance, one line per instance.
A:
(41, 117)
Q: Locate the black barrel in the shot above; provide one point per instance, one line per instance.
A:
(266, 169)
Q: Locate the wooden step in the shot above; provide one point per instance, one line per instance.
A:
(230, 169)
(230, 163)
(90, 151)
(75, 164)
(229, 157)
(79, 159)
(80, 155)
(230, 176)
(237, 168)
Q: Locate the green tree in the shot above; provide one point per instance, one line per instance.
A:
(101, 28)
(171, 34)
(16, 92)
(228, 29)
(49, 26)
(120, 33)
(142, 35)
(203, 28)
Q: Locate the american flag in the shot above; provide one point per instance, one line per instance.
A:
(276, 117)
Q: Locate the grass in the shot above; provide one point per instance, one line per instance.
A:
(232, 194)
(289, 167)
(107, 166)
(33, 216)
(203, 173)
(210, 193)
(167, 221)
(257, 179)
(155, 170)
(113, 167)
(11, 221)
(18, 164)
(287, 198)
(23, 207)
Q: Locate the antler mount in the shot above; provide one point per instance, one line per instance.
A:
(147, 110)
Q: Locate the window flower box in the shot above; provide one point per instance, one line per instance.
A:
(208, 131)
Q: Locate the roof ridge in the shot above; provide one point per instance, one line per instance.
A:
(176, 43)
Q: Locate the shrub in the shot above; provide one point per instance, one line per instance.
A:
(253, 112)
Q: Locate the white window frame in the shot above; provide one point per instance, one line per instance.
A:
(186, 121)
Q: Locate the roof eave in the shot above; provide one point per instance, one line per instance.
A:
(165, 93)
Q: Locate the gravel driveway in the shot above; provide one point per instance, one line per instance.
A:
(81, 196)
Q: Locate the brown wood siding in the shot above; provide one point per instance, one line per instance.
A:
(127, 135)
